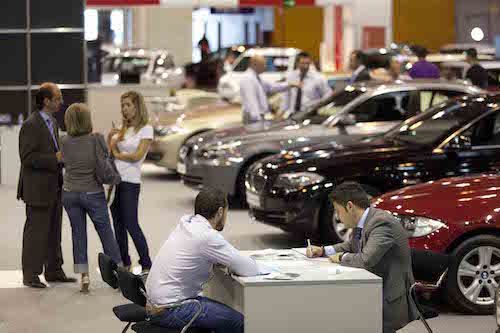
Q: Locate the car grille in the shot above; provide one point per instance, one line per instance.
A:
(184, 152)
(153, 156)
(257, 182)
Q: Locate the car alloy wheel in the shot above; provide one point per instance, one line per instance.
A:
(478, 275)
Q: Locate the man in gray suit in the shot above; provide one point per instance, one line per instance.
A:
(378, 244)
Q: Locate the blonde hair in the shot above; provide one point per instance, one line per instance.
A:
(141, 115)
(77, 120)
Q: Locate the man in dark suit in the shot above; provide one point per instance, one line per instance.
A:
(39, 187)
(357, 64)
(378, 244)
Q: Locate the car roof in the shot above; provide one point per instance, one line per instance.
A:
(272, 51)
(374, 85)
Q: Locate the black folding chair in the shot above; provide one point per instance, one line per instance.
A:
(430, 267)
(132, 287)
(127, 313)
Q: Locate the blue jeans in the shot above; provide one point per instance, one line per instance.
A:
(78, 205)
(214, 315)
(125, 218)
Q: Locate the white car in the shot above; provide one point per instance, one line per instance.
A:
(151, 66)
(279, 62)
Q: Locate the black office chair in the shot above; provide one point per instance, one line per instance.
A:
(427, 266)
(132, 287)
(127, 313)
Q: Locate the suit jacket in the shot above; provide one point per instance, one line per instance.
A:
(384, 251)
(364, 75)
(40, 178)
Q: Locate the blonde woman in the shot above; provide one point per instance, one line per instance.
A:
(130, 145)
(82, 194)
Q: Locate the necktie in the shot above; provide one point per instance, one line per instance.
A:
(269, 108)
(357, 239)
(51, 129)
(298, 100)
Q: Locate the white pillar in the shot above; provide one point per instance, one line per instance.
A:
(327, 51)
(164, 28)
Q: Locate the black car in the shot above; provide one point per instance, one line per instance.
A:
(290, 190)
(206, 74)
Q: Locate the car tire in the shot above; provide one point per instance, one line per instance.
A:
(330, 231)
(467, 257)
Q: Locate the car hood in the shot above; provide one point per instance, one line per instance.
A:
(470, 199)
(322, 158)
(198, 113)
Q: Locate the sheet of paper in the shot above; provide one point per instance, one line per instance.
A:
(302, 250)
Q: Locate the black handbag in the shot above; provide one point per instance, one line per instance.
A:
(105, 171)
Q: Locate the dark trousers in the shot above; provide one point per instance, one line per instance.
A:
(42, 240)
(125, 219)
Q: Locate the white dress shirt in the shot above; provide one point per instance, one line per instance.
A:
(254, 92)
(315, 88)
(185, 261)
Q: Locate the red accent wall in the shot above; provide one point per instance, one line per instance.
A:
(122, 2)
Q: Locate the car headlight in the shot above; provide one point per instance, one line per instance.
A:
(220, 150)
(167, 130)
(419, 226)
(297, 179)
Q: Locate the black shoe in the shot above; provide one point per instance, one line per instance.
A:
(58, 277)
(34, 283)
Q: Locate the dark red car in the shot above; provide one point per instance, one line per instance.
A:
(458, 216)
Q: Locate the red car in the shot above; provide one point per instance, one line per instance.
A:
(458, 216)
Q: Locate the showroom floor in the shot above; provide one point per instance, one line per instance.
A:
(164, 200)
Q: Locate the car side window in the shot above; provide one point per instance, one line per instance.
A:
(386, 107)
(430, 98)
(242, 65)
(485, 132)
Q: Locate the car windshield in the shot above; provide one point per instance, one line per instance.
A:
(117, 64)
(329, 106)
(438, 122)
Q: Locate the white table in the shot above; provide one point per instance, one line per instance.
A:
(320, 300)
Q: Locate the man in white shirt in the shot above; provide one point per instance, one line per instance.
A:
(185, 263)
(254, 91)
(314, 87)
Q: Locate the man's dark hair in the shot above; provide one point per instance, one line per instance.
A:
(471, 53)
(303, 55)
(208, 202)
(41, 95)
(420, 51)
(350, 191)
(360, 55)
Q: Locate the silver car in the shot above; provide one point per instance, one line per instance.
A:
(221, 158)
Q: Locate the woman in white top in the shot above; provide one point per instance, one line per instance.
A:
(130, 145)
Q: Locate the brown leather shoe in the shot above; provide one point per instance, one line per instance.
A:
(34, 282)
(58, 277)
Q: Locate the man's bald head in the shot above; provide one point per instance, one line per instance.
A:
(258, 63)
(51, 105)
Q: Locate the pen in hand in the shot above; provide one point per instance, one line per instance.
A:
(309, 247)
